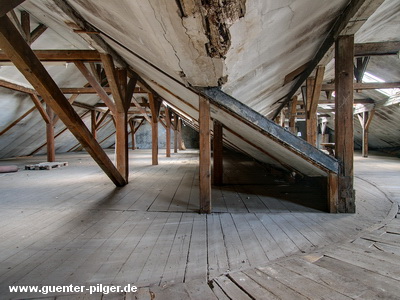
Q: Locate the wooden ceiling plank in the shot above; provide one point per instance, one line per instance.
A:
(12, 43)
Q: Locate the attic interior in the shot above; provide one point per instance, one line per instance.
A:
(231, 149)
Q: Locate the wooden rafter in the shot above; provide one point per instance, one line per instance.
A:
(16, 87)
(12, 43)
(61, 56)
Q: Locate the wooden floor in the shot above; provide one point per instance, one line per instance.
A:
(72, 226)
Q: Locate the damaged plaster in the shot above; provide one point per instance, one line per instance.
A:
(217, 16)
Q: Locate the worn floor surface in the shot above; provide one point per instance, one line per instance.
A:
(72, 226)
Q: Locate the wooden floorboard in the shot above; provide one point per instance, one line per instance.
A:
(73, 226)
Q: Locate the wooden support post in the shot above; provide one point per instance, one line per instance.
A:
(314, 86)
(218, 153)
(132, 125)
(180, 141)
(175, 133)
(205, 156)
(332, 192)
(51, 152)
(12, 43)
(292, 117)
(365, 121)
(155, 106)
(168, 133)
(93, 123)
(344, 136)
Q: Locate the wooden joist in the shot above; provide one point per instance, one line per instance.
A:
(12, 43)
(379, 48)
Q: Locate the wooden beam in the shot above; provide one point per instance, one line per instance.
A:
(84, 90)
(155, 111)
(25, 60)
(294, 74)
(168, 133)
(40, 108)
(365, 119)
(112, 79)
(176, 133)
(121, 144)
(16, 87)
(366, 86)
(378, 48)
(205, 155)
(338, 26)
(23, 116)
(61, 55)
(141, 109)
(344, 137)
(93, 82)
(37, 32)
(314, 95)
(8, 5)
(51, 152)
(218, 168)
(26, 25)
(292, 117)
(333, 195)
(93, 123)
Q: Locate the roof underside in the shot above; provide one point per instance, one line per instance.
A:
(246, 47)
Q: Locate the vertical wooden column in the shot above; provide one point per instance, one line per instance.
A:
(205, 155)
(51, 152)
(132, 124)
(93, 123)
(121, 143)
(365, 121)
(344, 136)
(292, 117)
(168, 133)
(155, 106)
(180, 141)
(218, 153)
(175, 133)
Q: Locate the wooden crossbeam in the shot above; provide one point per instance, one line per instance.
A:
(366, 86)
(379, 48)
(12, 43)
(61, 55)
(141, 109)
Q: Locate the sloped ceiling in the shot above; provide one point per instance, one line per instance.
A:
(247, 47)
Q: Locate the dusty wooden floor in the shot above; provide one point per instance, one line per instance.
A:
(72, 226)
